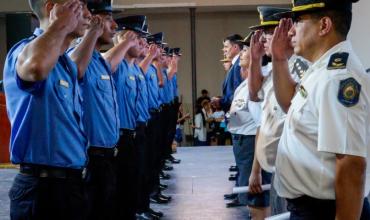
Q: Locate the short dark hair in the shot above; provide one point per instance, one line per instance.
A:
(342, 20)
(36, 6)
(235, 39)
(204, 91)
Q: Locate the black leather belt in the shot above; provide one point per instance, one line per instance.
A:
(154, 110)
(127, 132)
(102, 152)
(52, 172)
(141, 124)
(165, 105)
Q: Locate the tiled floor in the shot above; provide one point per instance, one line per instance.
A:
(197, 186)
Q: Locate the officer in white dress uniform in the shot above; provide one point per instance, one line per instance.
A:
(324, 149)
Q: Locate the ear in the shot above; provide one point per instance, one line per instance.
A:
(326, 26)
(48, 7)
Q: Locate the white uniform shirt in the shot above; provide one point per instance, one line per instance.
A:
(241, 120)
(318, 126)
(272, 122)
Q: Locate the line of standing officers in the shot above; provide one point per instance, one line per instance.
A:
(92, 132)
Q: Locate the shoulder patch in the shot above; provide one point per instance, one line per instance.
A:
(299, 67)
(338, 61)
(349, 92)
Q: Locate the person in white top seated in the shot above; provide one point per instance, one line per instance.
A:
(243, 128)
(323, 158)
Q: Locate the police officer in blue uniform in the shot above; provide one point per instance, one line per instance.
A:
(43, 104)
(154, 51)
(126, 78)
(175, 54)
(100, 110)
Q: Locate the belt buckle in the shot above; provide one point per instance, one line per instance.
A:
(115, 152)
(84, 173)
(43, 173)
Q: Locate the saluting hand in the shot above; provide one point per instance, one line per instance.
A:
(65, 16)
(96, 26)
(281, 46)
(153, 50)
(129, 37)
(257, 49)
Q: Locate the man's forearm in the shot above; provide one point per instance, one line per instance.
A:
(255, 79)
(145, 63)
(115, 55)
(82, 54)
(284, 85)
(349, 186)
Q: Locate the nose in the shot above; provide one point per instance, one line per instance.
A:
(292, 31)
(114, 25)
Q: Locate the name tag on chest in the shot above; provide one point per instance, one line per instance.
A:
(105, 77)
(64, 83)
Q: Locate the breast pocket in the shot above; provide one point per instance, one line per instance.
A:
(297, 109)
(131, 87)
(103, 85)
(63, 89)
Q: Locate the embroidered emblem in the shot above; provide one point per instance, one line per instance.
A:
(64, 83)
(349, 92)
(338, 61)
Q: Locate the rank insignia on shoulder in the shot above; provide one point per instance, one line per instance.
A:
(338, 61)
(349, 92)
(132, 78)
(105, 77)
(64, 83)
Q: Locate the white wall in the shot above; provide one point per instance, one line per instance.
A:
(360, 31)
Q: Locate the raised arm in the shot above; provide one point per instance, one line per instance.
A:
(116, 54)
(40, 56)
(255, 78)
(82, 54)
(145, 63)
(281, 50)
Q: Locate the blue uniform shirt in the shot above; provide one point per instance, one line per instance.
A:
(45, 116)
(231, 82)
(175, 86)
(153, 88)
(125, 80)
(142, 105)
(99, 105)
(164, 94)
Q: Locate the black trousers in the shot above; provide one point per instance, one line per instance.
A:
(171, 129)
(36, 198)
(154, 132)
(165, 119)
(127, 158)
(308, 208)
(141, 144)
(102, 187)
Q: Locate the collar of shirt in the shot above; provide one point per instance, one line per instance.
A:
(38, 32)
(324, 59)
(235, 59)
